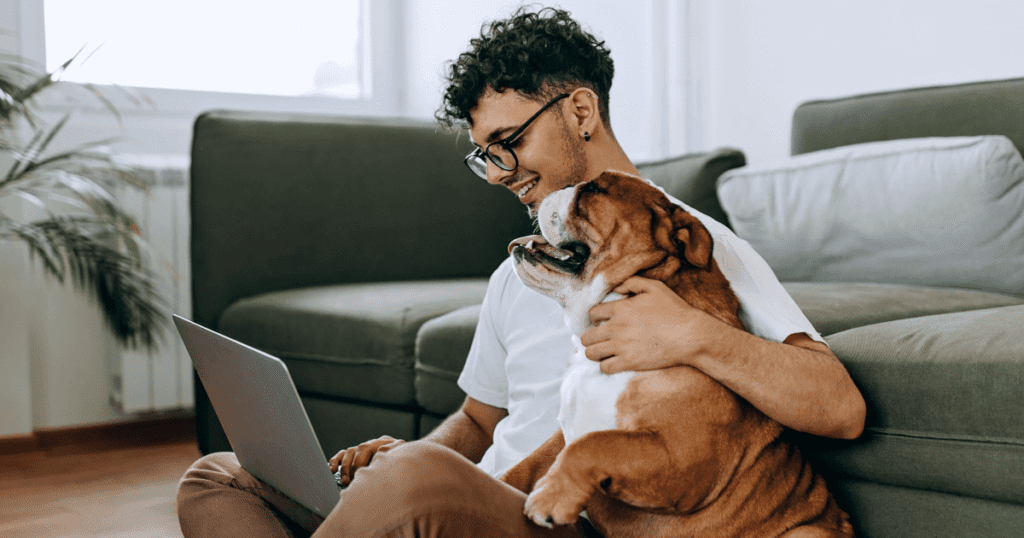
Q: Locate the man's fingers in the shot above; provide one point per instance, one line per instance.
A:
(635, 285)
(601, 313)
(352, 458)
(389, 446)
(600, 351)
(363, 459)
(346, 462)
(595, 335)
(613, 365)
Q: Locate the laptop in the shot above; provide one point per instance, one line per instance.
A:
(263, 417)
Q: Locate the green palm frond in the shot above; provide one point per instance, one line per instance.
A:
(41, 138)
(86, 249)
(19, 83)
(86, 233)
(14, 76)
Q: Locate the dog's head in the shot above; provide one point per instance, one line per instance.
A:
(601, 232)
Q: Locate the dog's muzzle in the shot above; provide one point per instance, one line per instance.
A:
(568, 257)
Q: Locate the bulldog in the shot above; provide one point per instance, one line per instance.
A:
(669, 452)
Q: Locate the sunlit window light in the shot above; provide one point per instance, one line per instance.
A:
(298, 47)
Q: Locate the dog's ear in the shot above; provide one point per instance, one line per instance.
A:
(692, 239)
(605, 181)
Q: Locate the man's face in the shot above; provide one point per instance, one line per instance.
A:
(550, 156)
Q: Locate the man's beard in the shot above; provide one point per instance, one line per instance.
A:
(572, 148)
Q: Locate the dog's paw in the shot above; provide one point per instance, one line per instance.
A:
(556, 501)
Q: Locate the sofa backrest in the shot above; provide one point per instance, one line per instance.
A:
(981, 108)
(281, 201)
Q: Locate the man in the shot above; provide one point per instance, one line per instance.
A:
(534, 92)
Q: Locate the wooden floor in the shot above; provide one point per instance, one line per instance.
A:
(108, 492)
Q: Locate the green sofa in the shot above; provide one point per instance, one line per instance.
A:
(358, 250)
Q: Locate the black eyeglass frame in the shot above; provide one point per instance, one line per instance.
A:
(506, 144)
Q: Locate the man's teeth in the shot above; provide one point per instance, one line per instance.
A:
(526, 188)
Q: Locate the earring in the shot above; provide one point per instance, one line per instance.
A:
(586, 137)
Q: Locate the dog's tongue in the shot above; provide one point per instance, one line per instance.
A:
(538, 243)
(553, 252)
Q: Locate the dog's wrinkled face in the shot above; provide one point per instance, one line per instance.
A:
(601, 232)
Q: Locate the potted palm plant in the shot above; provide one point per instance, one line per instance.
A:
(75, 226)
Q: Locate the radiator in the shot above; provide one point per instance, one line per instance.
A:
(143, 381)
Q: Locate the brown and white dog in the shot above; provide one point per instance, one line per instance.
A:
(669, 452)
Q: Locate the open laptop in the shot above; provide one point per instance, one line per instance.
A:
(264, 420)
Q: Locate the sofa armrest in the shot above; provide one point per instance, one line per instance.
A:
(977, 108)
(945, 407)
(282, 201)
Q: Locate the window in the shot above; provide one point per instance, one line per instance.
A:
(298, 47)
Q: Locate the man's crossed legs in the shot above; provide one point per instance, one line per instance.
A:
(419, 489)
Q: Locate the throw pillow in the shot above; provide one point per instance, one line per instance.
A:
(691, 178)
(928, 211)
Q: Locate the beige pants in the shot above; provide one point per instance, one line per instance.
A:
(417, 489)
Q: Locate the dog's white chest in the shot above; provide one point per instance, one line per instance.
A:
(588, 397)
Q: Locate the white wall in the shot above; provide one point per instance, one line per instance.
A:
(15, 297)
(765, 58)
(53, 344)
(15, 366)
(440, 31)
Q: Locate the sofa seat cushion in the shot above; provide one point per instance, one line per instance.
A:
(348, 341)
(441, 350)
(833, 307)
(443, 342)
(944, 396)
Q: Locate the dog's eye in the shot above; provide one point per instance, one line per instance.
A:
(592, 186)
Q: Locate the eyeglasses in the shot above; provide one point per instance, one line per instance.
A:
(500, 153)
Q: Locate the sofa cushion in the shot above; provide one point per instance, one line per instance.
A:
(935, 212)
(348, 341)
(443, 342)
(833, 307)
(944, 403)
(441, 349)
(691, 178)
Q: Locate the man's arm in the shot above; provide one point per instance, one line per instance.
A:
(800, 383)
(470, 430)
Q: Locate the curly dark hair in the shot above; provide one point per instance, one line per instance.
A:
(538, 54)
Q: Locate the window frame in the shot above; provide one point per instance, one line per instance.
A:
(380, 66)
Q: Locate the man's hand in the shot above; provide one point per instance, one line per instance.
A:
(800, 382)
(651, 328)
(352, 458)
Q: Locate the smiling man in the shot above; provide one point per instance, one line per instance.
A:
(533, 91)
(541, 124)
(544, 153)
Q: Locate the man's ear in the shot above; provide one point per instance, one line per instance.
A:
(586, 111)
(693, 240)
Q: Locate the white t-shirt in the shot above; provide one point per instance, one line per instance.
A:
(522, 346)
